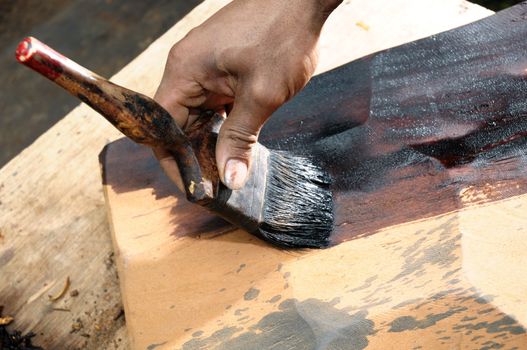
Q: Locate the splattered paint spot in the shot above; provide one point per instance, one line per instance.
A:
(153, 346)
(310, 324)
(406, 323)
(274, 299)
(242, 266)
(251, 294)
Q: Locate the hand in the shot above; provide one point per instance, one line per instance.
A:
(247, 59)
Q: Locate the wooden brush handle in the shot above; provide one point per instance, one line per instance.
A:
(135, 115)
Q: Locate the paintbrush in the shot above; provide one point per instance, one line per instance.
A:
(286, 200)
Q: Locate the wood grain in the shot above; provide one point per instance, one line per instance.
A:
(417, 124)
(437, 278)
(450, 281)
(53, 220)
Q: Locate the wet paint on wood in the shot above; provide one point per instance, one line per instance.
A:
(423, 280)
(403, 131)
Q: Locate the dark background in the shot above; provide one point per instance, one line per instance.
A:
(103, 35)
(496, 5)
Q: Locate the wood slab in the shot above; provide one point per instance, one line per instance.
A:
(425, 282)
(452, 281)
(416, 125)
(53, 220)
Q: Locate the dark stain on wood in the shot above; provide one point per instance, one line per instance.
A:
(403, 132)
(464, 315)
(251, 294)
(216, 338)
(197, 334)
(274, 299)
(505, 324)
(239, 312)
(155, 346)
(407, 323)
(6, 256)
(367, 284)
(296, 325)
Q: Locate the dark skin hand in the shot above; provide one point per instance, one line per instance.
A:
(248, 59)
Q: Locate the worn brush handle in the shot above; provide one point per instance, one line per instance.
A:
(135, 115)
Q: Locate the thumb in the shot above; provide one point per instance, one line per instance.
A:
(236, 140)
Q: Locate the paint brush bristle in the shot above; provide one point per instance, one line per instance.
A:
(298, 208)
(286, 200)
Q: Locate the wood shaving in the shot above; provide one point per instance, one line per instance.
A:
(4, 321)
(362, 25)
(61, 309)
(62, 292)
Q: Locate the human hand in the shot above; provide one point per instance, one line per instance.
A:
(247, 59)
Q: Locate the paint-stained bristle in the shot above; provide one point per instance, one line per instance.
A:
(298, 210)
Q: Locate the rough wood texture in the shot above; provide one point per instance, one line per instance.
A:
(416, 283)
(53, 221)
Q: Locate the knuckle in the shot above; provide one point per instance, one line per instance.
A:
(179, 51)
(309, 64)
(240, 137)
(267, 94)
(174, 55)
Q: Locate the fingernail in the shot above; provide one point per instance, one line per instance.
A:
(235, 174)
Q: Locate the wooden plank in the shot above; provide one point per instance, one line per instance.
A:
(53, 220)
(427, 283)
(430, 117)
(206, 285)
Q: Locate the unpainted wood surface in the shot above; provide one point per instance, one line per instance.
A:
(191, 281)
